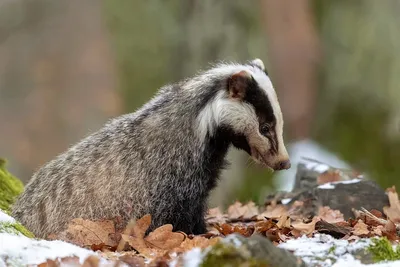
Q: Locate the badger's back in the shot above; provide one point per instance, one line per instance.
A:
(144, 162)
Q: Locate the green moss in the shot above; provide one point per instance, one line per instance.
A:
(332, 249)
(227, 255)
(10, 187)
(382, 250)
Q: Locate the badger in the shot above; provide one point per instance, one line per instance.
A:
(164, 158)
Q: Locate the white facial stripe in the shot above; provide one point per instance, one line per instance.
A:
(224, 111)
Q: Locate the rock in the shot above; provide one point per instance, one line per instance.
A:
(236, 250)
(319, 185)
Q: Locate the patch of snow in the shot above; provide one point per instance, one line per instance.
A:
(324, 250)
(193, 258)
(321, 168)
(286, 201)
(4, 217)
(315, 166)
(232, 239)
(331, 185)
(26, 251)
(327, 186)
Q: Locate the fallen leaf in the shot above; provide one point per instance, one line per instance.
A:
(196, 242)
(360, 229)
(91, 261)
(134, 235)
(164, 238)
(296, 233)
(240, 211)
(263, 226)
(283, 237)
(390, 231)
(133, 260)
(393, 211)
(306, 228)
(85, 233)
(390, 227)
(244, 230)
(377, 230)
(215, 216)
(329, 215)
(273, 212)
(284, 221)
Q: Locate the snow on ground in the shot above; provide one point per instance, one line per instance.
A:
(4, 217)
(23, 250)
(324, 250)
(331, 185)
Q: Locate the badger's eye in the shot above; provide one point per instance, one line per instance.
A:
(264, 129)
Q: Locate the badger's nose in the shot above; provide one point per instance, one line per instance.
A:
(283, 165)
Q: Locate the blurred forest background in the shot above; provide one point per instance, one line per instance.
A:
(67, 66)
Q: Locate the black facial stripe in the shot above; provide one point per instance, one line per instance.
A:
(262, 105)
(238, 140)
(273, 141)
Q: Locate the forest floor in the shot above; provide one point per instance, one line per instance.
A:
(368, 239)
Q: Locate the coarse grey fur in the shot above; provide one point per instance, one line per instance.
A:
(151, 161)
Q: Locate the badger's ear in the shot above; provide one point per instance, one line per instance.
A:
(258, 62)
(238, 84)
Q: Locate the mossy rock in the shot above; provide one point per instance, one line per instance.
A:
(255, 251)
(10, 187)
(14, 228)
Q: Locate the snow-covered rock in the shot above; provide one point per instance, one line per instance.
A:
(324, 250)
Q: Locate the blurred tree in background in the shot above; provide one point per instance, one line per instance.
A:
(360, 94)
(57, 79)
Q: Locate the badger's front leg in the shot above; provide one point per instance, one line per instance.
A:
(191, 219)
(200, 227)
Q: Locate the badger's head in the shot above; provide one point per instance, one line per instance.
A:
(246, 104)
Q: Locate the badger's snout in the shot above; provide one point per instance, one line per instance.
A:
(282, 165)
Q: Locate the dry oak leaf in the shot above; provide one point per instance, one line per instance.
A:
(134, 235)
(58, 262)
(196, 242)
(377, 231)
(87, 233)
(393, 212)
(360, 229)
(240, 211)
(215, 215)
(273, 212)
(329, 215)
(153, 245)
(263, 226)
(164, 238)
(305, 228)
(284, 222)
